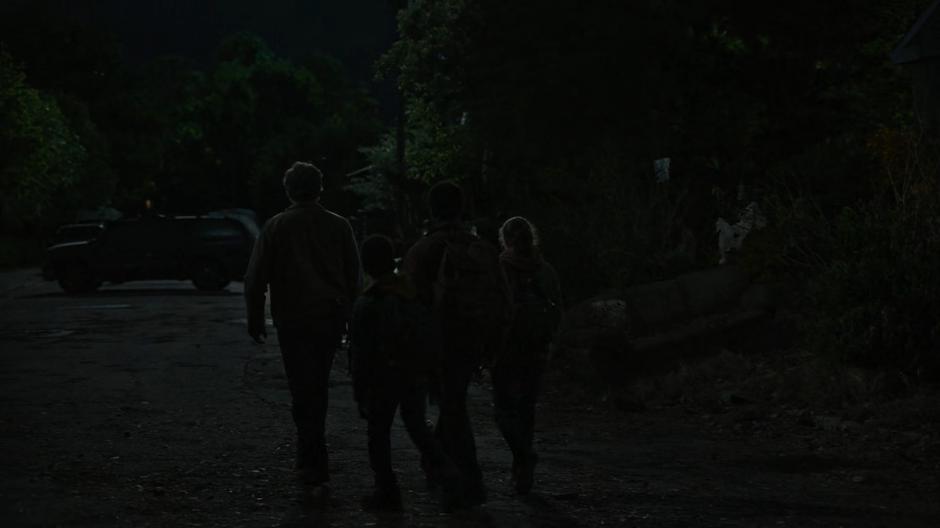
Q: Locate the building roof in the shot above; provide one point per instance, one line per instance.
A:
(923, 40)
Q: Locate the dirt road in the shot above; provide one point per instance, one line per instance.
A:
(146, 404)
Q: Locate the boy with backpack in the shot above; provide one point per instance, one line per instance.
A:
(393, 344)
(458, 276)
(517, 370)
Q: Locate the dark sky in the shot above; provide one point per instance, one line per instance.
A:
(354, 31)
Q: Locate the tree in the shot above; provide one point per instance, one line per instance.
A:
(261, 113)
(40, 155)
(571, 103)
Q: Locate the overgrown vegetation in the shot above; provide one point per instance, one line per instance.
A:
(875, 302)
(40, 155)
(558, 113)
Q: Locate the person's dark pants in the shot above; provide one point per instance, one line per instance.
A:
(461, 359)
(515, 393)
(308, 357)
(398, 391)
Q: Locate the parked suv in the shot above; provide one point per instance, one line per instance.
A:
(70, 233)
(76, 232)
(211, 250)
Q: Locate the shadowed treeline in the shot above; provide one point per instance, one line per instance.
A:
(88, 124)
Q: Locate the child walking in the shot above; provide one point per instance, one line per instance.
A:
(517, 370)
(393, 349)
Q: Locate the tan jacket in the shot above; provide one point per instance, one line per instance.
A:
(309, 258)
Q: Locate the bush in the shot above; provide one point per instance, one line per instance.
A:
(608, 224)
(875, 301)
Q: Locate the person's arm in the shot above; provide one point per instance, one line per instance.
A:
(352, 265)
(505, 284)
(256, 285)
(552, 285)
(361, 351)
(414, 265)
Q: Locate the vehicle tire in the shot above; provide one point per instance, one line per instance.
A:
(76, 277)
(208, 275)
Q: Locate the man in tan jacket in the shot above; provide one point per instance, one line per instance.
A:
(309, 259)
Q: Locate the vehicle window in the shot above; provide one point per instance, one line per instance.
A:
(76, 233)
(214, 230)
(149, 234)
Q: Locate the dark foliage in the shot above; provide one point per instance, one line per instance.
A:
(88, 128)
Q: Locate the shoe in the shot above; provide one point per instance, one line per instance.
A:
(451, 490)
(319, 495)
(524, 476)
(451, 502)
(474, 495)
(383, 500)
(516, 471)
(431, 476)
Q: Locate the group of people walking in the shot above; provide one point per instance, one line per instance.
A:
(419, 328)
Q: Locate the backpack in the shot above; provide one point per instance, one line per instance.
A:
(469, 287)
(407, 333)
(535, 316)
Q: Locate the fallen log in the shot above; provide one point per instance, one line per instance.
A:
(651, 326)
